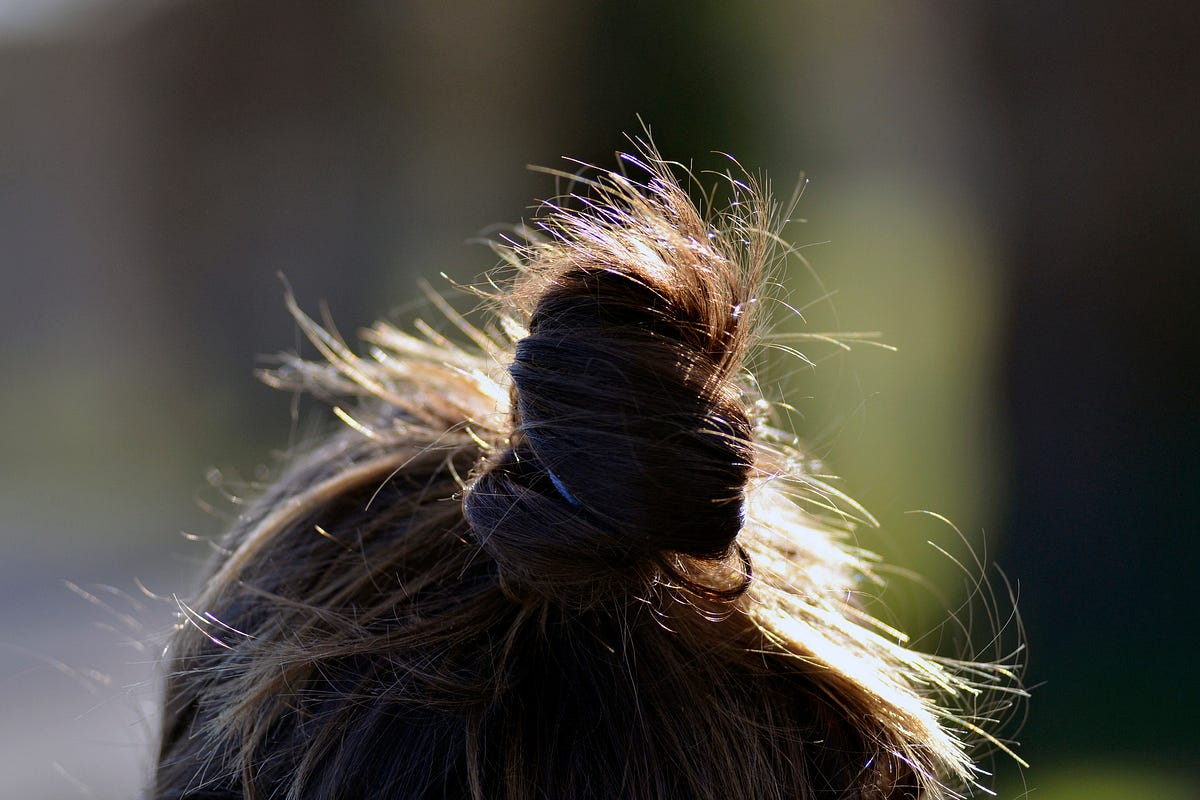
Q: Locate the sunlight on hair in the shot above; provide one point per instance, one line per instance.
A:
(573, 557)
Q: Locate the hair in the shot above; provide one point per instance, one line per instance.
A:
(572, 559)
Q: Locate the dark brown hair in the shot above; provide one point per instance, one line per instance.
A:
(583, 566)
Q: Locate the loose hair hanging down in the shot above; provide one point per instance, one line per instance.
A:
(572, 559)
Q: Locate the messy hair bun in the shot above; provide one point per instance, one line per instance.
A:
(630, 436)
(565, 561)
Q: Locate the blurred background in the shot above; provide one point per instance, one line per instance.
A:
(1007, 192)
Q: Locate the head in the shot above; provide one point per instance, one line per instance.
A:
(570, 559)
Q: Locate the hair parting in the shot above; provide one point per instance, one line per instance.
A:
(571, 558)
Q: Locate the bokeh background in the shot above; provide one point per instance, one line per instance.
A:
(1008, 192)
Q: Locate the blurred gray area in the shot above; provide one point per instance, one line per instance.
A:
(161, 163)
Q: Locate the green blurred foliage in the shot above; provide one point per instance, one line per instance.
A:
(1102, 780)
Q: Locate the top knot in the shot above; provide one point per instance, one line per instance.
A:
(630, 435)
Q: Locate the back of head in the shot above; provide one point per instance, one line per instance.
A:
(563, 563)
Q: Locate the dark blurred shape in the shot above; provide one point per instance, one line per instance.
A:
(1102, 168)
